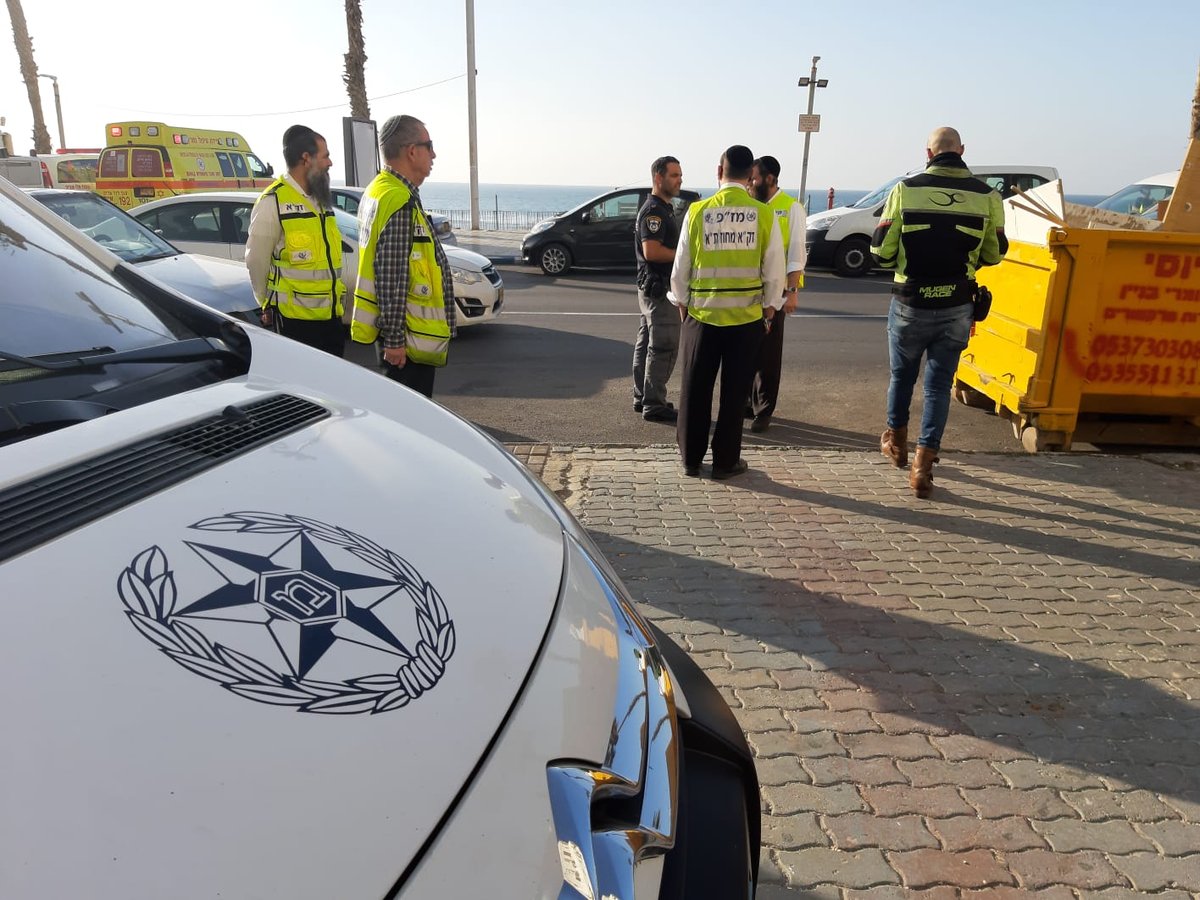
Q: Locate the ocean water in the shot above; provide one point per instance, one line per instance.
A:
(556, 198)
(517, 207)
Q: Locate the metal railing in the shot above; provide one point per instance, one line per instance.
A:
(495, 219)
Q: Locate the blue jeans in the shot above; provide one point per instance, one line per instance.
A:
(941, 336)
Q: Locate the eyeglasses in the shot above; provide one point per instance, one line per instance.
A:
(428, 145)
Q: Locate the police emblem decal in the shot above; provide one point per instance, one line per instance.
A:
(653, 223)
(303, 614)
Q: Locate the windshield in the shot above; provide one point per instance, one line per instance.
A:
(876, 196)
(109, 226)
(1137, 199)
(59, 302)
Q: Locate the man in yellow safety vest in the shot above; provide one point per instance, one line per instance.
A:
(404, 296)
(294, 248)
(727, 281)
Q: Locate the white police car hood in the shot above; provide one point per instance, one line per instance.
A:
(325, 631)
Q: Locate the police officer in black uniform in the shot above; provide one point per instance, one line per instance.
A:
(655, 238)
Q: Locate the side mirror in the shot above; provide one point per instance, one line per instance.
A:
(585, 217)
(270, 169)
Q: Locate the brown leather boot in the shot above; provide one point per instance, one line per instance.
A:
(893, 444)
(920, 476)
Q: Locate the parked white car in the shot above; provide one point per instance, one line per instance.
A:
(841, 238)
(216, 223)
(1142, 197)
(278, 627)
(348, 198)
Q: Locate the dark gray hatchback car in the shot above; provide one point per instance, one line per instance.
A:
(596, 235)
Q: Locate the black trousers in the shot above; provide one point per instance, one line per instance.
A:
(323, 334)
(765, 393)
(417, 376)
(705, 350)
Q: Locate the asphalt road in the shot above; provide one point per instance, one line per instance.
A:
(555, 368)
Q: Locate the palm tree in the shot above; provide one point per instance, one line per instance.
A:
(355, 76)
(41, 137)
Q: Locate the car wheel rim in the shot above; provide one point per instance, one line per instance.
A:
(554, 260)
(855, 259)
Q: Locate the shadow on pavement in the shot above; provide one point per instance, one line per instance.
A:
(793, 433)
(830, 627)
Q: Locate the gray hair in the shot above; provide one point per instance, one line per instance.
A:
(396, 132)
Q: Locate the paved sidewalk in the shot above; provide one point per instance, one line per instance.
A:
(992, 693)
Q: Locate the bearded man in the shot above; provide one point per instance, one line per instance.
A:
(294, 248)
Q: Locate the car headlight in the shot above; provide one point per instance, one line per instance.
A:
(820, 225)
(465, 276)
(542, 226)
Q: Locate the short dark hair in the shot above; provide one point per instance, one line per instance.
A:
(298, 140)
(737, 161)
(659, 166)
(768, 165)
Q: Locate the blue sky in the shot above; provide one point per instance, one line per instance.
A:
(590, 93)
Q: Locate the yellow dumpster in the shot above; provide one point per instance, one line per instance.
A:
(1094, 336)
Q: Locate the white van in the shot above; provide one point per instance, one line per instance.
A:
(72, 170)
(841, 238)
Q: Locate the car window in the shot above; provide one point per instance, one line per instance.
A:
(876, 196)
(348, 202)
(190, 222)
(114, 163)
(1008, 184)
(240, 213)
(257, 169)
(108, 225)
(225, 164)
(618, 207)
(58, 299)
(680, 204)
(76, 171)
(144, 163)
(239, 165)
(1137, 198)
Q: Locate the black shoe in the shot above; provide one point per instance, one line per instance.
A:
(736, 469)
(691, 471)
(748, 413)
(668, 414)
(638, 406)
(760, 424)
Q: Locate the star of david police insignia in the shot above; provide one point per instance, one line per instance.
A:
(299, 613)
(653, 223)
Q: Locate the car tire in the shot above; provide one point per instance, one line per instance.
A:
(555, 259)
(852, 259)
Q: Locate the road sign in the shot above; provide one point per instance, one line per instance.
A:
(810, 122)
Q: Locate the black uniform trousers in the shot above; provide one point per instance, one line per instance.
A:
(765, 393)
(418, 376)
(323, 334)
(706, 349)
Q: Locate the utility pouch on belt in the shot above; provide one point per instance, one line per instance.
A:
(983, 303)
(651, 284)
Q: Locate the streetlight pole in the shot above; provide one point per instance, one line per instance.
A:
(62, 141)
(812, 84)
(472, 140)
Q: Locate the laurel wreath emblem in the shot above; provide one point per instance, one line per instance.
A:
(147, 588)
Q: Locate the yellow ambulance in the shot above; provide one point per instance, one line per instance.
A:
(144, 161)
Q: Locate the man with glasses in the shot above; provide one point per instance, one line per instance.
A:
(404, 295)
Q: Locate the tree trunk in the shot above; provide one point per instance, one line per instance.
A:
(355, 76)
(41, 137)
